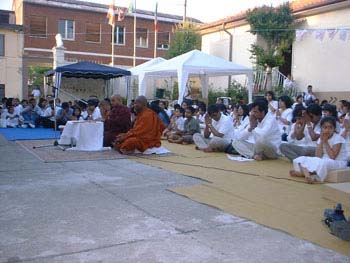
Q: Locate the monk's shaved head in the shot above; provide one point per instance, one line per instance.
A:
(140, 104)
(116, 100)
(142, 100)
(117, 97)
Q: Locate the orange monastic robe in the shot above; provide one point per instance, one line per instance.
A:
(145, 134)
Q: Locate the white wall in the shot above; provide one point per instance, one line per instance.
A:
(11, 64)
(217, 44)
(323, 64)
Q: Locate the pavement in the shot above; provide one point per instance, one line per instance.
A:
(121, 211)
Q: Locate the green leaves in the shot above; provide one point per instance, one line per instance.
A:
(185, 38)
(36, 75)
(276, 27)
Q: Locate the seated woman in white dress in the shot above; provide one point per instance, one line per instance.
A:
(331, 153)
(202, 110)
(271, 100)
(240, 116)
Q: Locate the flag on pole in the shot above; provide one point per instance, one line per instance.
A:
(121, 14)
(131, 7)
(111, 14)
(156, 18)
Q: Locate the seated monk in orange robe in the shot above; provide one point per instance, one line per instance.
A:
(146, 132)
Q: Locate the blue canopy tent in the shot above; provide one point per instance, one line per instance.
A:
(86, 70)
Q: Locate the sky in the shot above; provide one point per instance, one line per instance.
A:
(204, 10)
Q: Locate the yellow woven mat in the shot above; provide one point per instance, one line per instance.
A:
(260, 191)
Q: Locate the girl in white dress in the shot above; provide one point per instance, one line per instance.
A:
(240, 115)
(331, 153)
(272, 102)
(284, 114)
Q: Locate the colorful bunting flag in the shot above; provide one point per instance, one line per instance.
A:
(320, 34)
(299, 34)
(332, 33)
(343, 34)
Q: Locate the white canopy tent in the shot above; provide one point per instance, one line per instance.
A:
(194, 64)
(135, 71)
(140, 69)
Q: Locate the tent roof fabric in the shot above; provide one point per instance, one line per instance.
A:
(144, 66)
(87, 69)
(197, 63)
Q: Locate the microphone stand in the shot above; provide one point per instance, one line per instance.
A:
(55, 143)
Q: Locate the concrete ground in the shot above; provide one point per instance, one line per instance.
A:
(121, 211)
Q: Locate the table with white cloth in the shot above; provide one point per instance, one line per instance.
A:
(85, 135)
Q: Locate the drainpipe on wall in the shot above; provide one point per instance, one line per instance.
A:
(230, 49)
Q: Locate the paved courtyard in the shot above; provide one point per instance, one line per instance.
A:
(121, 211)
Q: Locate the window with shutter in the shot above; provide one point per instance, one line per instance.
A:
(37, 26)
(93, 33)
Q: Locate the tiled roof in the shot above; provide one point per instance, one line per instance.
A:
(301, 5)
(97, 6)
(296, 6)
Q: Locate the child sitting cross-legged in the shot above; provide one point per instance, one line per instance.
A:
(331, 153)
(13, 119)
(176, 123)
(191, 127)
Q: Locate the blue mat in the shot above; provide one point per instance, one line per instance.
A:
(13, 134)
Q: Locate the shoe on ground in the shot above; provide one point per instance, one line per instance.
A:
(31, 125)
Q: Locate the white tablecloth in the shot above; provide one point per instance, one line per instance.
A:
(88, 136)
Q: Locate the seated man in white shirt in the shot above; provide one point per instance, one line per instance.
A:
(31, 113)
(304, 132)
(64, 114)
(93, 111)
(17, 105)
(261, 138)
(48, 116)
(218, 131)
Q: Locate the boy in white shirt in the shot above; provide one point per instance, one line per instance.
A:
(13, 120)
(218, 131)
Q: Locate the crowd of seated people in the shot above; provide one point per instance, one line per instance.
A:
(314, 137)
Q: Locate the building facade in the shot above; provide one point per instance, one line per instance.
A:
(320, 57)
(11, 50)
(86, 34)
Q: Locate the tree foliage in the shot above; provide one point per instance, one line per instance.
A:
(276, 27)
(36, 75)
(185, 38)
